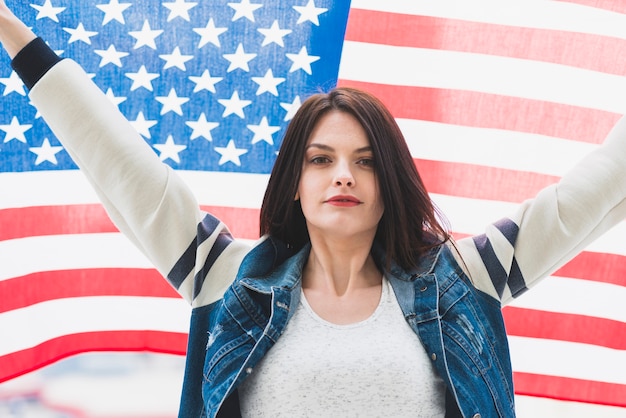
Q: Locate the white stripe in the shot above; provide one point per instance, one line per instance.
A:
(20, 257)
(578, 297)
(492, 147)
(540, 14)
(535, 407)
(42, 188)
(27, 327)
(567, 359)
(70, 252)
(404, 66)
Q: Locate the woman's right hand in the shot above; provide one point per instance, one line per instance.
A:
(14, 34)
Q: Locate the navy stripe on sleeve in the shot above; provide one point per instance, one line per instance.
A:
(497, 273)
(222, 241)
(34, 61)
(187, 261)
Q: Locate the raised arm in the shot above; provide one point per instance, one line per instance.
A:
(550, 229)
(145, 198)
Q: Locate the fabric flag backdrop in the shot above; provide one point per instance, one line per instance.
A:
(496, 98)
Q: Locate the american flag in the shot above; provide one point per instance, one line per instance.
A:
(497, 99)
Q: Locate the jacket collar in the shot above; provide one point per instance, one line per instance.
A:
(272, 263)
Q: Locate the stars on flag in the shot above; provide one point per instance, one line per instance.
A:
(142, 78)
(179, 8)
(15, 130)
(146, 36)
(13, 83)
(230, 153)
(172, 102)
(170, 149)
(47, 10)
(114, 10)
(46, 152)
(111, 56)
(234, 105)
(210, 34)
(244, 9)
(239, 59)
(80, 34)
(232, 72)
(175, 59)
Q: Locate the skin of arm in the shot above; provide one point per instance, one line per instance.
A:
(14, 34)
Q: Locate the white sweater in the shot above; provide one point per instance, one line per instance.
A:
(150, 204)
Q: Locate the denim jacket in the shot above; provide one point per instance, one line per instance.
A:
(460, 327)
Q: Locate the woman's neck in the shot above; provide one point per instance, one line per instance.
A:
(338, 267)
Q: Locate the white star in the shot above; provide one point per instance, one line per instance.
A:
(268, 83)
(45, 152)
(202, 128)
(244, 9)
(209, 34)
(291, 108)
(113, 11)
(142, 125)
(170, 149)
(13, 83)
(175, 59)
(239, 59)
(274, 34)
(47, 10)
(179, 9)
(302, 61)
(205, 82)
(230, 153)
(116, 100)
(309, 13)
(80, 34)
(172, 103)
(234, 105)
(15, 131)
(146, 36)
(263, 131)
(111, 56)
(142, 78)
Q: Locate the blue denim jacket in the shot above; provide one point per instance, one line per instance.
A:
(460, 327)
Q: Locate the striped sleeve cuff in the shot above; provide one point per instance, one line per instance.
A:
(33, 61)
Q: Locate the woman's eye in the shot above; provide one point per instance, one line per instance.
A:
(320, 160)
(368, 162)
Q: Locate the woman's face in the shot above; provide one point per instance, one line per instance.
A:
(338, 188)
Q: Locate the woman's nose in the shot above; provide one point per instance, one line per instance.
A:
(343, 176)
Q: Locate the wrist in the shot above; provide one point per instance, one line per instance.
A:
(14, 34)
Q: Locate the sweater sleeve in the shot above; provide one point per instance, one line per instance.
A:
(144, 197)
(549, 230)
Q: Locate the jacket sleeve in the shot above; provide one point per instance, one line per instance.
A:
(144, 197)
(549, 230)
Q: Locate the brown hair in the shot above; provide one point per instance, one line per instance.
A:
(410, 223)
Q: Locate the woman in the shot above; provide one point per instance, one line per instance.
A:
(355, 301)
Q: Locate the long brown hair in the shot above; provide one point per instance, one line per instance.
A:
(410, 223)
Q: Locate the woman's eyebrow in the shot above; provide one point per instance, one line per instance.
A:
(329, 148)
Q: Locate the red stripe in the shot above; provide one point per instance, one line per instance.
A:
(24, 361)
(565, 327)
(567, 389)
(483, 110)
(80, 219)
(598, 267)
(50, 285)
(592, 52)
(611, 5)
(480, 182)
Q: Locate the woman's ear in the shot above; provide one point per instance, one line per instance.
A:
(297, 197)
